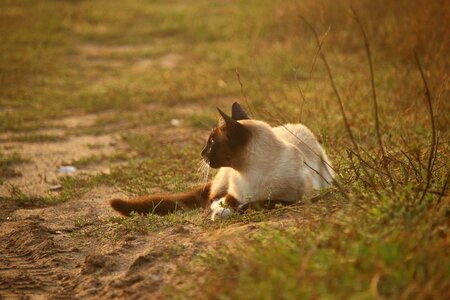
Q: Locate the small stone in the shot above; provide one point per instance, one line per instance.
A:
(56, 187)
(155, 277)
(221, 83)
(66, 169)
(175, 122)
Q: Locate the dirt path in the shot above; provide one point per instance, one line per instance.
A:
(42, 256)
(48, 252)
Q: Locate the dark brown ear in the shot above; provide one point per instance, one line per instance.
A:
(238, 113)
(228, 120)
(236, 132)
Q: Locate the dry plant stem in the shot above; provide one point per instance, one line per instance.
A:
(438, 143)
(444, 189)
(310, 149)
(334, 182)
(410, 150)
(363, 164)
(355, 168)
(416, 172)
(374, 98)
(319, 49)
(323, 161)
(435, 151)
(302, 96)
(433, 127)
(243, 92)
(374, 167)
(333, 85)
(264, 88)
(338, 97)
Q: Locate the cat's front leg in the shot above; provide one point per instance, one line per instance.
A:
(223, 208)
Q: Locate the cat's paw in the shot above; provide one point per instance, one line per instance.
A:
(221, 213)
(219, 210)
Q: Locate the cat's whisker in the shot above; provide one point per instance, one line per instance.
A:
(201, 167)
(203, 171)
(206, 175)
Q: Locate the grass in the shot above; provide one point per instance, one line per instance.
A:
(339, 257)
(139, 65)
(37, 138)
(7, 162)
(72, 187)
(97, 159)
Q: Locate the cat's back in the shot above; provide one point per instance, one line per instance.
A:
(300, 136)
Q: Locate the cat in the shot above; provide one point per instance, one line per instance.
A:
(259, 165)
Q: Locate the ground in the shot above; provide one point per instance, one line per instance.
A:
(127, 94)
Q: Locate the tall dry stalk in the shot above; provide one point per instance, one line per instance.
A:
(433, 128)
(333, 85)
(374, 98)
(243, 92)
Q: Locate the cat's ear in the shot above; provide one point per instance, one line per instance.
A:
(230, 122)
(236, 132)
(238, 113)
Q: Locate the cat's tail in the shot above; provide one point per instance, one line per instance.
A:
(163, 204)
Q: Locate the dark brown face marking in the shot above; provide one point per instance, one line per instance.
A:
(226, 143)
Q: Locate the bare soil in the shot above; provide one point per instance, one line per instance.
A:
(45, 254)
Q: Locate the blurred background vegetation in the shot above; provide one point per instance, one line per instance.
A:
(148, 62)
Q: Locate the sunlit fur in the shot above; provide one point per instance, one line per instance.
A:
(257, 163)
(281, 163)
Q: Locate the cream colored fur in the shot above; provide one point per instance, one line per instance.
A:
(275, 167)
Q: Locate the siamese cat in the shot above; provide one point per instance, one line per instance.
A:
(259, 165)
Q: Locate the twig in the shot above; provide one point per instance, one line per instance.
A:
(355, 169)
(412, 151)
(372, 81)
(302, 95)
(319, 48)
(416, 172)
(334, 182)
(435, 151)
(243, 92)
(444, 188)
(393, 153)
(374, 98)
(309, 148)
(333, 85)
(371, 179)
(433, 127)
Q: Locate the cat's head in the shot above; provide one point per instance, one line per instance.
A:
(226, 143)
